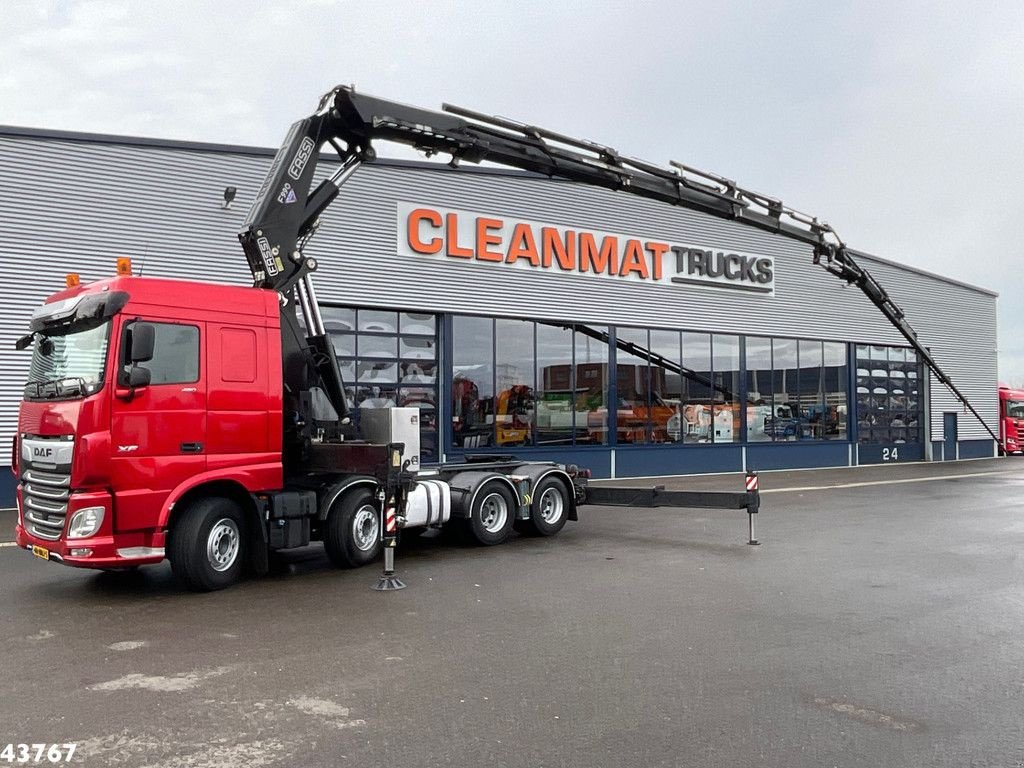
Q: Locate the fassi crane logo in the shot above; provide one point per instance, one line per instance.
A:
(465, 235)
(302, 155)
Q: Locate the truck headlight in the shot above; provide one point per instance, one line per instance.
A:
(85, 522)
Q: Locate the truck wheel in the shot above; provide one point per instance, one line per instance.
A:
(493, 513)
(549, 509)
(207, 546)
(352, 532)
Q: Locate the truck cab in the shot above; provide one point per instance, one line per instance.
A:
(1011, 419)
(141, 391)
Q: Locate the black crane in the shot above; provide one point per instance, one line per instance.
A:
(286, 210)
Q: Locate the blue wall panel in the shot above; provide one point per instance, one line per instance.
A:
(977, 449)
(890, 453)
(797, 455)
(8, 482)
(652, 461)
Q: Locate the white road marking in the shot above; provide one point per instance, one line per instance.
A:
(8, 543)
(887, 482)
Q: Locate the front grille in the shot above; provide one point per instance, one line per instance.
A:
(44, 502)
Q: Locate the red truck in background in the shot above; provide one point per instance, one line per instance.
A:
(1011, 419)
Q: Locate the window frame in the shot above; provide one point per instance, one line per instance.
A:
(432, 445)
(124, 365)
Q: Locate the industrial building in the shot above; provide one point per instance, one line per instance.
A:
(526, 315)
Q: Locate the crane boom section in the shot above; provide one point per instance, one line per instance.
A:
(286, 211)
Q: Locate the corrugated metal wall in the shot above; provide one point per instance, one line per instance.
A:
(69, 205)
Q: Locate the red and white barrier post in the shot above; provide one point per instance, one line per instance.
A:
(389, 535)
(753, 503)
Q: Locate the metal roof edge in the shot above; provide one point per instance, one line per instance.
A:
(50, 134)
(133, 141)
(924, 272)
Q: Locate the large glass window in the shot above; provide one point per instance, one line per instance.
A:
(591, 400)
(633, 385)
(388, 359)
(521, 383)
(666, 387)
(890, 408)
(810, 399)
(835, 384)
(760, 388)
(514, 372)
(696, 388)
(669, 389)
(473, 381)
(726, 378)
(556, 386)
(796, 389)
(417, 375)
(786, 423)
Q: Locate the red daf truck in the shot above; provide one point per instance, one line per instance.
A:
(185, 420)
(207, 425)
(1011, 419)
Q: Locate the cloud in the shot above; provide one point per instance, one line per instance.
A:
(897, 122)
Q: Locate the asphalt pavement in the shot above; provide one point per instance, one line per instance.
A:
(878, 624)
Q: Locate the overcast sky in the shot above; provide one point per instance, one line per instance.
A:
(901, 124)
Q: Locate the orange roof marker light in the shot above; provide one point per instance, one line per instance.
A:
(124, 266)
(72, 280)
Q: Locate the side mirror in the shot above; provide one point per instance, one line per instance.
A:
(143, 339)
(139, 377)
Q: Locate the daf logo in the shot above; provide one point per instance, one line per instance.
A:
(47, 451)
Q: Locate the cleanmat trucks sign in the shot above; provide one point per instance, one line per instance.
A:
(507, 243)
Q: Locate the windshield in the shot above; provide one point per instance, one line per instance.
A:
(1015, 409)
(68, 364)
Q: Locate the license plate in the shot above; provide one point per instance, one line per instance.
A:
(41, 552)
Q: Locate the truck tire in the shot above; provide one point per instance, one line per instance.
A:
(549, 509)
(493, 513)
(352, 532)
(207, 545)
